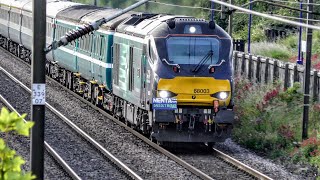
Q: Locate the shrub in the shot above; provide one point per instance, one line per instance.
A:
(10, 163)
(269, 121)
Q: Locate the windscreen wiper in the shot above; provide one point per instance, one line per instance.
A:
(203, 61)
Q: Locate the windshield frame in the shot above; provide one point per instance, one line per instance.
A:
(192, 49)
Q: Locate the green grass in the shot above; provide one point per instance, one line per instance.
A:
(272, 50)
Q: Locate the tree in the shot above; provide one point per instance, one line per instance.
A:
(10, 163)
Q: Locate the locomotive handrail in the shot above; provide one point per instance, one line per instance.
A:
(217, 65)
(170, 64)
(86, 29)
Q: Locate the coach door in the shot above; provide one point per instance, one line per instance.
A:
(135, 73)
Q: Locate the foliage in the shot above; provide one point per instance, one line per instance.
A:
(271, 119)
(272, 50)
(10, 163)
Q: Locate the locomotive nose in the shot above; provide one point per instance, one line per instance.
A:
(196, 91)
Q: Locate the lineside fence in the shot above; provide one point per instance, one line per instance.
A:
(266, 70)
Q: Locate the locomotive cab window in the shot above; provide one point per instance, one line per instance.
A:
(191, 50)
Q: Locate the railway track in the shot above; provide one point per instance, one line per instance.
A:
(216, 163)
(78, 149)
(245, 172)
(52, 168)
(49, 149)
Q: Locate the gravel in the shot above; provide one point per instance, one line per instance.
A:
(21, 145)
(82, 157)
(278, 169)
(140, 157)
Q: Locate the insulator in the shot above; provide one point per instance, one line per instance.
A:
(75, 34)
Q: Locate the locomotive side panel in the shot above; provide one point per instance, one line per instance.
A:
(128, 68)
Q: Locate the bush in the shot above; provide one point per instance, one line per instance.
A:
(10, 163)
(269, 121)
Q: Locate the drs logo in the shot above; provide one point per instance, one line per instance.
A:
(201, 91)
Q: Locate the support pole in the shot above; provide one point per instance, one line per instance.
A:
(38, 87)
(306, 99)
(249, 28)
(299, 60)
(230, 20)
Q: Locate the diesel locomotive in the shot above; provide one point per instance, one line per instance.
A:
(167, 76)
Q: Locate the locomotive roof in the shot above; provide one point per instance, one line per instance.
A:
(54, 7)
(76, 12)
(143, 24)
(111, 25)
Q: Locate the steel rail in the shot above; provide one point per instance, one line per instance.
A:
(49, 149)
(240, 165)
(106, 153)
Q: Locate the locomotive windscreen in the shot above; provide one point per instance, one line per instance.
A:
(193, 50)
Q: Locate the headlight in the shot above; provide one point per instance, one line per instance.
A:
(221, 95)
(166, 94)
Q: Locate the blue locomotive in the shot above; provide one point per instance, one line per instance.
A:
(167, 76)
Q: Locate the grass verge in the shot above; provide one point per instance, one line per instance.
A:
(269, 120)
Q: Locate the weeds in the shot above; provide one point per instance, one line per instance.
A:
(269, 121)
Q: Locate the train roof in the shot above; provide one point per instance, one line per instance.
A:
(142, 24)
(53, 6)
(75, 13)
(104, 13)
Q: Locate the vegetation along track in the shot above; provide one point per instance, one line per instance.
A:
(234, 172)
(49, 149)
(89, 160)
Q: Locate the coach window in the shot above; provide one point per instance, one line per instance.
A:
(14, 17)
